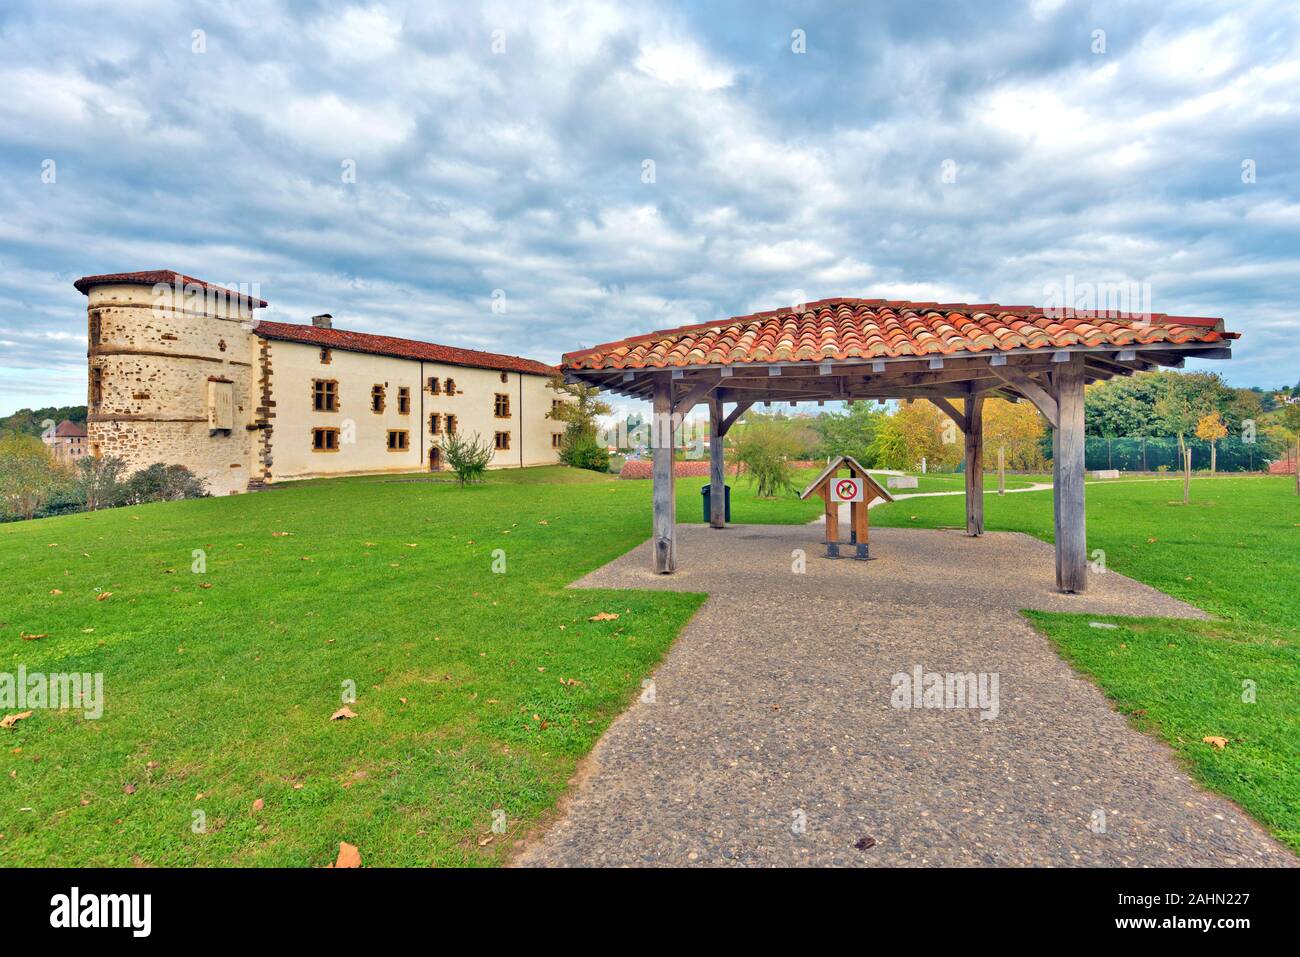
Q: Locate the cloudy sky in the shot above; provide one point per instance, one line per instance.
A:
(604, 169)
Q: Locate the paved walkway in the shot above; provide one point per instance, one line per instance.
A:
(773, 707)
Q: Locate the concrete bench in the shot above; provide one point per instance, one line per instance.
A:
(1105, 473)
(901, 481)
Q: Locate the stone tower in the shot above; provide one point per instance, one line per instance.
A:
(173, 374)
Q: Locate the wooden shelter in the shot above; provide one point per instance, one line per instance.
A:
(826, 484)
(855, 349)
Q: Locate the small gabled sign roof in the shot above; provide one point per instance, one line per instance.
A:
(857, 469)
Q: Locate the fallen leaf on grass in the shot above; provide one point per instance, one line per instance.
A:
(1218, 742)
(205, 584)
(604, 616)
(128, 788)
(258, 805)
(342, 713)
(26, 637)
(9, 720)
(349, 856)
(103, 595)
(56, 591)
(280, 534)
(485, 841)
(543, 522)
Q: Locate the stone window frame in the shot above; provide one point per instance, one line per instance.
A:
(399, 440)
(403, 400)
(321, 439)
(501, 405)
(434, 386)
(435, 423)
(328, 394)
(449, 387)
(557, 439)
(450, 422)
(378, 398)
(501, 441)
(326, 355)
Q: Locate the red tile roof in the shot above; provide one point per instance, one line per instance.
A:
(67, 429)
(154, 276)
(401, 348)
(878, 328)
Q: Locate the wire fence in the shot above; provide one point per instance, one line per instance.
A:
(1161, 454)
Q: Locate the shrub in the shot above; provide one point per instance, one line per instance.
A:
(162, 483)
(28, 474)
(765, 451)
(468, 455)
(96, 481)
(584, 451)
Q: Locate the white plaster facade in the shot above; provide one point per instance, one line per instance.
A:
(182, 376)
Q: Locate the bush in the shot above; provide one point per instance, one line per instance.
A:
(765, 450)
(584, 451)
(162, 483)
(28, 475)
(468, 455)
(96, 481)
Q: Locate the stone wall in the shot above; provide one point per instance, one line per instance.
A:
(151, 356)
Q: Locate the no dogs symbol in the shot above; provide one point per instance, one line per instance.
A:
(846, 490)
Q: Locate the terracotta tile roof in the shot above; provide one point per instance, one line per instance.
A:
(878, 328)
(153, 277)
(401, 348)
(67, 429)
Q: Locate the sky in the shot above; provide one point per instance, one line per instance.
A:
(535, 178)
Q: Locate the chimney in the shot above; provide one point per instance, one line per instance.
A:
(323, 321)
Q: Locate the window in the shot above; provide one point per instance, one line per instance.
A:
(96, 385)
(221, 404)
(377, 398)
(324, 440)
(502, 441)
(398, 440)
(451, 425)
(505, 377)
(325, 395)
(450, 387)
(557, 439)
(435, 424)
(501, 408)
(556, 403)
(326, 357)
(404, 400)
(95, 328)
(435, 387)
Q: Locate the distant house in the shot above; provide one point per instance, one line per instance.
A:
(67, 442)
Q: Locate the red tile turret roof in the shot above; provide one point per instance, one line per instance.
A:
(879, 328)
(401, 348)
(152, 277)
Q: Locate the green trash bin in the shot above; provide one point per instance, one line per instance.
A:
(726, 502)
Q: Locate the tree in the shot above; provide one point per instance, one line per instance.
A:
(28, 474)
(850, 432)
(580, 406)
(1186, 400)
(1289, 419)
(764, 448)
(468, 455)
(1018, 427)
(1210, 429)
(96, 480)
(916, 431)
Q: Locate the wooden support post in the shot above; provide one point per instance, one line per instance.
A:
(664, 492)
(1187, 475)
(1067, 475)
(832, 524)
(1002, 470)
(717, 466)
(975, 465)
(858, 514)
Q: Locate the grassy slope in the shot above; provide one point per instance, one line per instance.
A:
(1235, 551)
(226, 691)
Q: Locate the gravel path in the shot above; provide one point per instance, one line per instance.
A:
(774, 708)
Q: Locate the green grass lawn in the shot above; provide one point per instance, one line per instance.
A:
(1235, 552)
(475, 691)
(479, 692)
